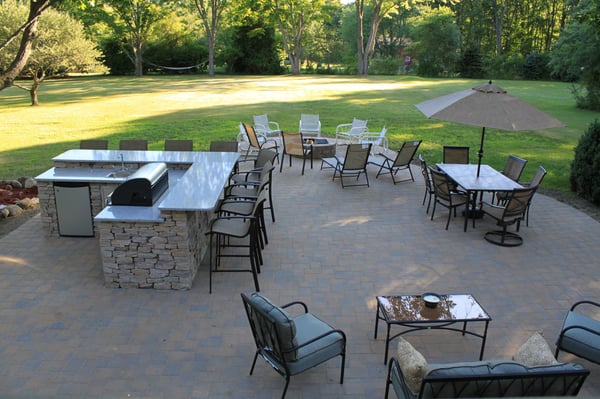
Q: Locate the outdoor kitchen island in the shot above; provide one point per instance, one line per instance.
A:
(159, 246)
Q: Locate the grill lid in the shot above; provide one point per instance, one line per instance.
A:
(142, 187)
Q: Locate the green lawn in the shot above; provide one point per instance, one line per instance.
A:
(205, 109)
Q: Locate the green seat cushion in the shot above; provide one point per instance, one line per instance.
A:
(285, 325)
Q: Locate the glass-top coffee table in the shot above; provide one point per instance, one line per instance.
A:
(410, 311)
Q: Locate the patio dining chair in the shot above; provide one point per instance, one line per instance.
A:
(310, 125)
(179, 145)
(580, 332)
(133, 144)
(510, 214)
(294, 146)
(350, 131)
(255, 141)
(429, 190)
(444, 194)
(352, 165)
(291, 344)
(400, 161)
(264, 126)
(455, 154)
(93, 145)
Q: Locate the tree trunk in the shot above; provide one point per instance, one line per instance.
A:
(137, 50)
(211, 56)
(38, 77)
(15, 68)
(360, 39)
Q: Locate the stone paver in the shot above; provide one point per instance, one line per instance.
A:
(63, 334)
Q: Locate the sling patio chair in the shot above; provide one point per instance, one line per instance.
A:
(580, 332)
(400, 161)
(429, 190)
(264, 126)
(179, 145)
(294, 146)
(378, 139)
(350, 131)
(310, 125)
(513, 168)
(133, 144)
(93, 145)
(509, 214)
(291, 344)
(235, 232)
(455, 154)
(352, 165)
(444, 194)
(255, 141)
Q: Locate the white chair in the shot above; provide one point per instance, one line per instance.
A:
(310, 125)
(264, 126)
(376, 138)
(350, 131)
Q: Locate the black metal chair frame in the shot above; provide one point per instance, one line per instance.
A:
(353, 164)
(402, 161)
(443, 194)
(566, 330)
(269, 345)
(451, 153)
(512, 213)
(429, 189)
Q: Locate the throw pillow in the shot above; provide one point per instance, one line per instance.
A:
(535, 352)
(412, 363)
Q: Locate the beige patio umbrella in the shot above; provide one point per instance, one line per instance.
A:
(489, 106)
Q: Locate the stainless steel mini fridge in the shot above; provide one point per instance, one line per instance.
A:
(74, 209)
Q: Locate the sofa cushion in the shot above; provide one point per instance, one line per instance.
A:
(535, 352)
(286, 328)
(412, 363)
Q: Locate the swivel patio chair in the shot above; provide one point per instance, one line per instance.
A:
(264, 126)
(513, 168)
(510, 214)
(310, 125)
(455, 154)
(429, 190)
(179, 145)
(294, 146)
(580, 332)
(291, 344)
(444, 195)
(93, 145)
(352, 165)
(401, 161)
(133, 145)
(350, 131)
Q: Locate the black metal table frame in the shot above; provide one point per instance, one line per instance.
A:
(428, 325)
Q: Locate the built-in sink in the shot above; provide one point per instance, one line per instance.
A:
(120, 173)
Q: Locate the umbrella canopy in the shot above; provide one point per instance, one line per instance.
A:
(489, 106)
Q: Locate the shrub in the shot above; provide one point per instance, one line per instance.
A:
(385, 65)
(536, 67)
(504, 67)
(470, 64)
(585, 179)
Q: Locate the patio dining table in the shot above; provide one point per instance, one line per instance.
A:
(489, 179)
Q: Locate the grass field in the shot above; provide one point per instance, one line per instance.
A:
(205, 109)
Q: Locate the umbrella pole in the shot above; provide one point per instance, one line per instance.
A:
(480, 154)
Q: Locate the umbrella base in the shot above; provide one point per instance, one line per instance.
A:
(504, 238)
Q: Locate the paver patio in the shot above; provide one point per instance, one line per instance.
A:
(64, 335)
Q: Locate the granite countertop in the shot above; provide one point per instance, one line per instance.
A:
(196, 189)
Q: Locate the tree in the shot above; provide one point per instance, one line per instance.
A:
(210, 12)
(133, 20)
(28, 30)
(380, 8)
(60, 46)
(577, 53)
(293, 16)
(437, 40)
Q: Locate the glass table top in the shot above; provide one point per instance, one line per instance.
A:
(411, 308)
